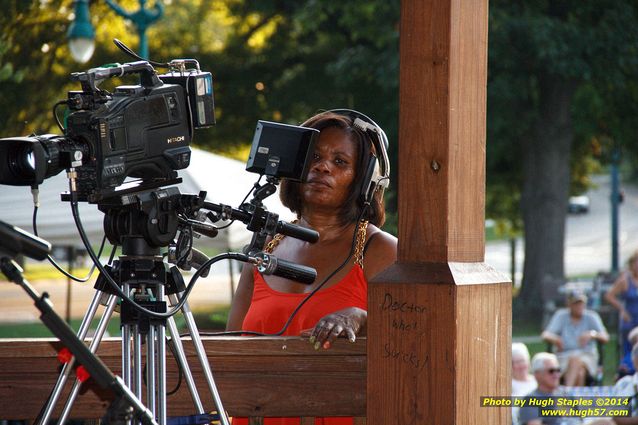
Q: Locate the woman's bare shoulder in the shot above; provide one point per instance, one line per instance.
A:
(381, 252)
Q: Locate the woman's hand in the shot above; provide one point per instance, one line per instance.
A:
(626, 317)
(348, 322)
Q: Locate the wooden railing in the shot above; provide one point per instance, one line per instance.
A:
(256, 377)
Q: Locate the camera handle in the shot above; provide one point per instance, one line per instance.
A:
(93, 77)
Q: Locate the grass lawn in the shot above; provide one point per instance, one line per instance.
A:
(210, 321)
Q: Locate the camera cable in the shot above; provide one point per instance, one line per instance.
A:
(58, 267)
(55, 115)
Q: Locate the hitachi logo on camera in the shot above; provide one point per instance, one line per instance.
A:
(175, 139)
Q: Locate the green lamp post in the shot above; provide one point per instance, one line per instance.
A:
(82, 35)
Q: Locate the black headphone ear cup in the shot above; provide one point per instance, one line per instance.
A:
(370, 181)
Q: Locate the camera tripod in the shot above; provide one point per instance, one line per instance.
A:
(142, 223)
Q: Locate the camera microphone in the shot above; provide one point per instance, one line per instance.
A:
(269, 264)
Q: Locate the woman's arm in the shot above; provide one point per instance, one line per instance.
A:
(611, 296)
(241, 300)
(351, 321)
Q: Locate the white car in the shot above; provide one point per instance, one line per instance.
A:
(578, 204)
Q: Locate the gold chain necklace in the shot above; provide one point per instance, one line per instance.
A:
(362, 229)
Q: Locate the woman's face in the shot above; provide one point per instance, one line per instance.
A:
(519, 366)
(332, 170)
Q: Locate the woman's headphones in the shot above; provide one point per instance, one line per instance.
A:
(377, 173)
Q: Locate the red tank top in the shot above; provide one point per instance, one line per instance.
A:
(269, 310)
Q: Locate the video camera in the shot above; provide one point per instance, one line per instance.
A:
(140, 131)
(143, 131)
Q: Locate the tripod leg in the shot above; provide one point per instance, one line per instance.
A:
(151, 394)
(161, 361)
(137, 361)
(126, 347)
(68, 367)
(201, 354)
(99, 333)
(183, 364)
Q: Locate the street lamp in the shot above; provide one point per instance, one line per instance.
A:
(615, 203)
(82, 35)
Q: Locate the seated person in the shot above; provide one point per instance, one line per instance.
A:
(626, 366)
(547, 373)
(574, 331)
(523, 382)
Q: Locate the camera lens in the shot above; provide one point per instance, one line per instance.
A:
(22, 162)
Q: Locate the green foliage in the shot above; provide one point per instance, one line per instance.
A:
(284, 60)
(574, 41)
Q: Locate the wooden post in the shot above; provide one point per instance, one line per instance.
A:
(439, 329)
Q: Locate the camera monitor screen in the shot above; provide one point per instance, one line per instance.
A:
(282, 150)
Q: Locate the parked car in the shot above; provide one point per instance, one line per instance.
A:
(578, 204)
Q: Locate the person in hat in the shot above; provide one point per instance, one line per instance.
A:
(573, 331)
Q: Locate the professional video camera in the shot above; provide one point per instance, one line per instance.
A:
(141, 131)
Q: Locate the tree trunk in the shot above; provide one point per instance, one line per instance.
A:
(546, 178)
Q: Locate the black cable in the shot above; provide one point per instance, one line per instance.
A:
(57, 266)
(171, 347)
(305, 300)
(55, 115)
(123, 47)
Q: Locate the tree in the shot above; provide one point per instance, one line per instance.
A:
(286, 60)
(541, 54)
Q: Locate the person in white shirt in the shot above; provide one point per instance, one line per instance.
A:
(523, 382)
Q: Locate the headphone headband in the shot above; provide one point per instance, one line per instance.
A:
(379, 141)
(377, 172)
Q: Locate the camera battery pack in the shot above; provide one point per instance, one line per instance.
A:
(198, 86)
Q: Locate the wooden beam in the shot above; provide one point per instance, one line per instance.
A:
(255, 377)
(439, 327)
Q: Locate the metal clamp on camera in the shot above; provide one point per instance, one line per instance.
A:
(143, 132)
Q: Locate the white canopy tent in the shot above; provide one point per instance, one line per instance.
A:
(224, 179)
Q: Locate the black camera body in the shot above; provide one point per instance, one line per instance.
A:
(139, 131)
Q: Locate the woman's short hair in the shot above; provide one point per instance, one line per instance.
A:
(520, 350)
(539, 359)
(633, 258)
(290, 191)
